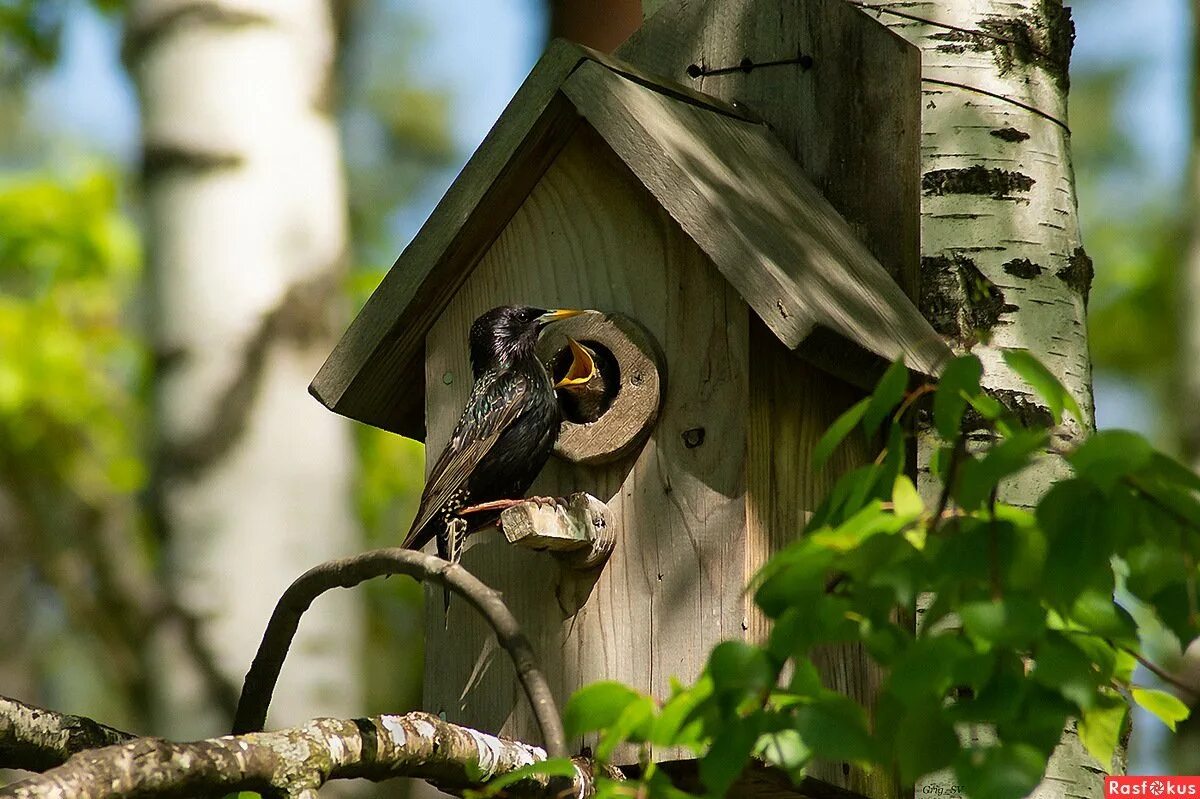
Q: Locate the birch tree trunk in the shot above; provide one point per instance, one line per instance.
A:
(246, 211)
(1002, 262)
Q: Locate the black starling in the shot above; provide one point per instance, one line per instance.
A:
(505, 434)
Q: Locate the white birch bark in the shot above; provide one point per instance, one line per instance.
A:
(246, 211)
(1003, 266)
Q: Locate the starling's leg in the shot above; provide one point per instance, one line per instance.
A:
(483, 507)
(505, 504)
(456, 534)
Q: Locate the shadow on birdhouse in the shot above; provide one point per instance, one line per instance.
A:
(697, 229)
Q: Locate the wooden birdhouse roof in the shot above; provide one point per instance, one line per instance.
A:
(717, 171)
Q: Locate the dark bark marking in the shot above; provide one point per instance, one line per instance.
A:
(1010, 134)
(958, 299)
(1025, 407)
(1078, 273)
(1044, 38)
(144, 34)
(159, 160)
(995, 182)
(302, 317)
(1023, 267)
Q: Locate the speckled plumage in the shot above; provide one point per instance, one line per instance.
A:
(505, 434)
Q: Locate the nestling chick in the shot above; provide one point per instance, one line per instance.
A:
(583, 390)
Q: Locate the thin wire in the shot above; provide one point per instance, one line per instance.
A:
(949, 27)
(1031, 109)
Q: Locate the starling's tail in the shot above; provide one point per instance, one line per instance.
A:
(418, 537)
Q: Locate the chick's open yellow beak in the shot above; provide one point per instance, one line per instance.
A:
(561, 313)
(583, 366)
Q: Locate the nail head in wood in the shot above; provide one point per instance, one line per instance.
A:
(634, 381)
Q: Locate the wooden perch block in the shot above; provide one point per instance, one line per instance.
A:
(580, 529)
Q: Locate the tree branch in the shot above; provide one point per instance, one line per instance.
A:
(347, 573)
(293, 761)
(35, 739)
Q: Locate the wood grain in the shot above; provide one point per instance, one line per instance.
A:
(791, 406)
(591, 236)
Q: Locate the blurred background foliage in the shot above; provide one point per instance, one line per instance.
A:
(420, 81)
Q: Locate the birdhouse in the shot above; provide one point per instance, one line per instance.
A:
(721, 217)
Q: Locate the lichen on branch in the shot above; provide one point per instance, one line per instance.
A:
(294, 761)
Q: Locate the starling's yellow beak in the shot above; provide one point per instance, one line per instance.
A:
(554, 316)
(583, 366)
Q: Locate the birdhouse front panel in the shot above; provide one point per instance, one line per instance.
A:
(589, 235)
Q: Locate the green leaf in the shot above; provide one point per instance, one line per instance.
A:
(1167, 707)
(979, 476)
(1014, 620)
(786, 750)
(1000, 772)
(1044, 383)
(837, 432)
(1099, 614)
(925, 742)
(554, 767)
(926, 669)
(1076, 519)
(1100, 728)
(1167, 469)
(794, 583)
(958, 381)
(596, 706)
(806, 680)
(836, 728)
(887, 395)
(906, 502)
(739, 669)
(1062, 666)
(1109, 455)
(634, 724)
(851, 534)
(729, 754)
(677, 723)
